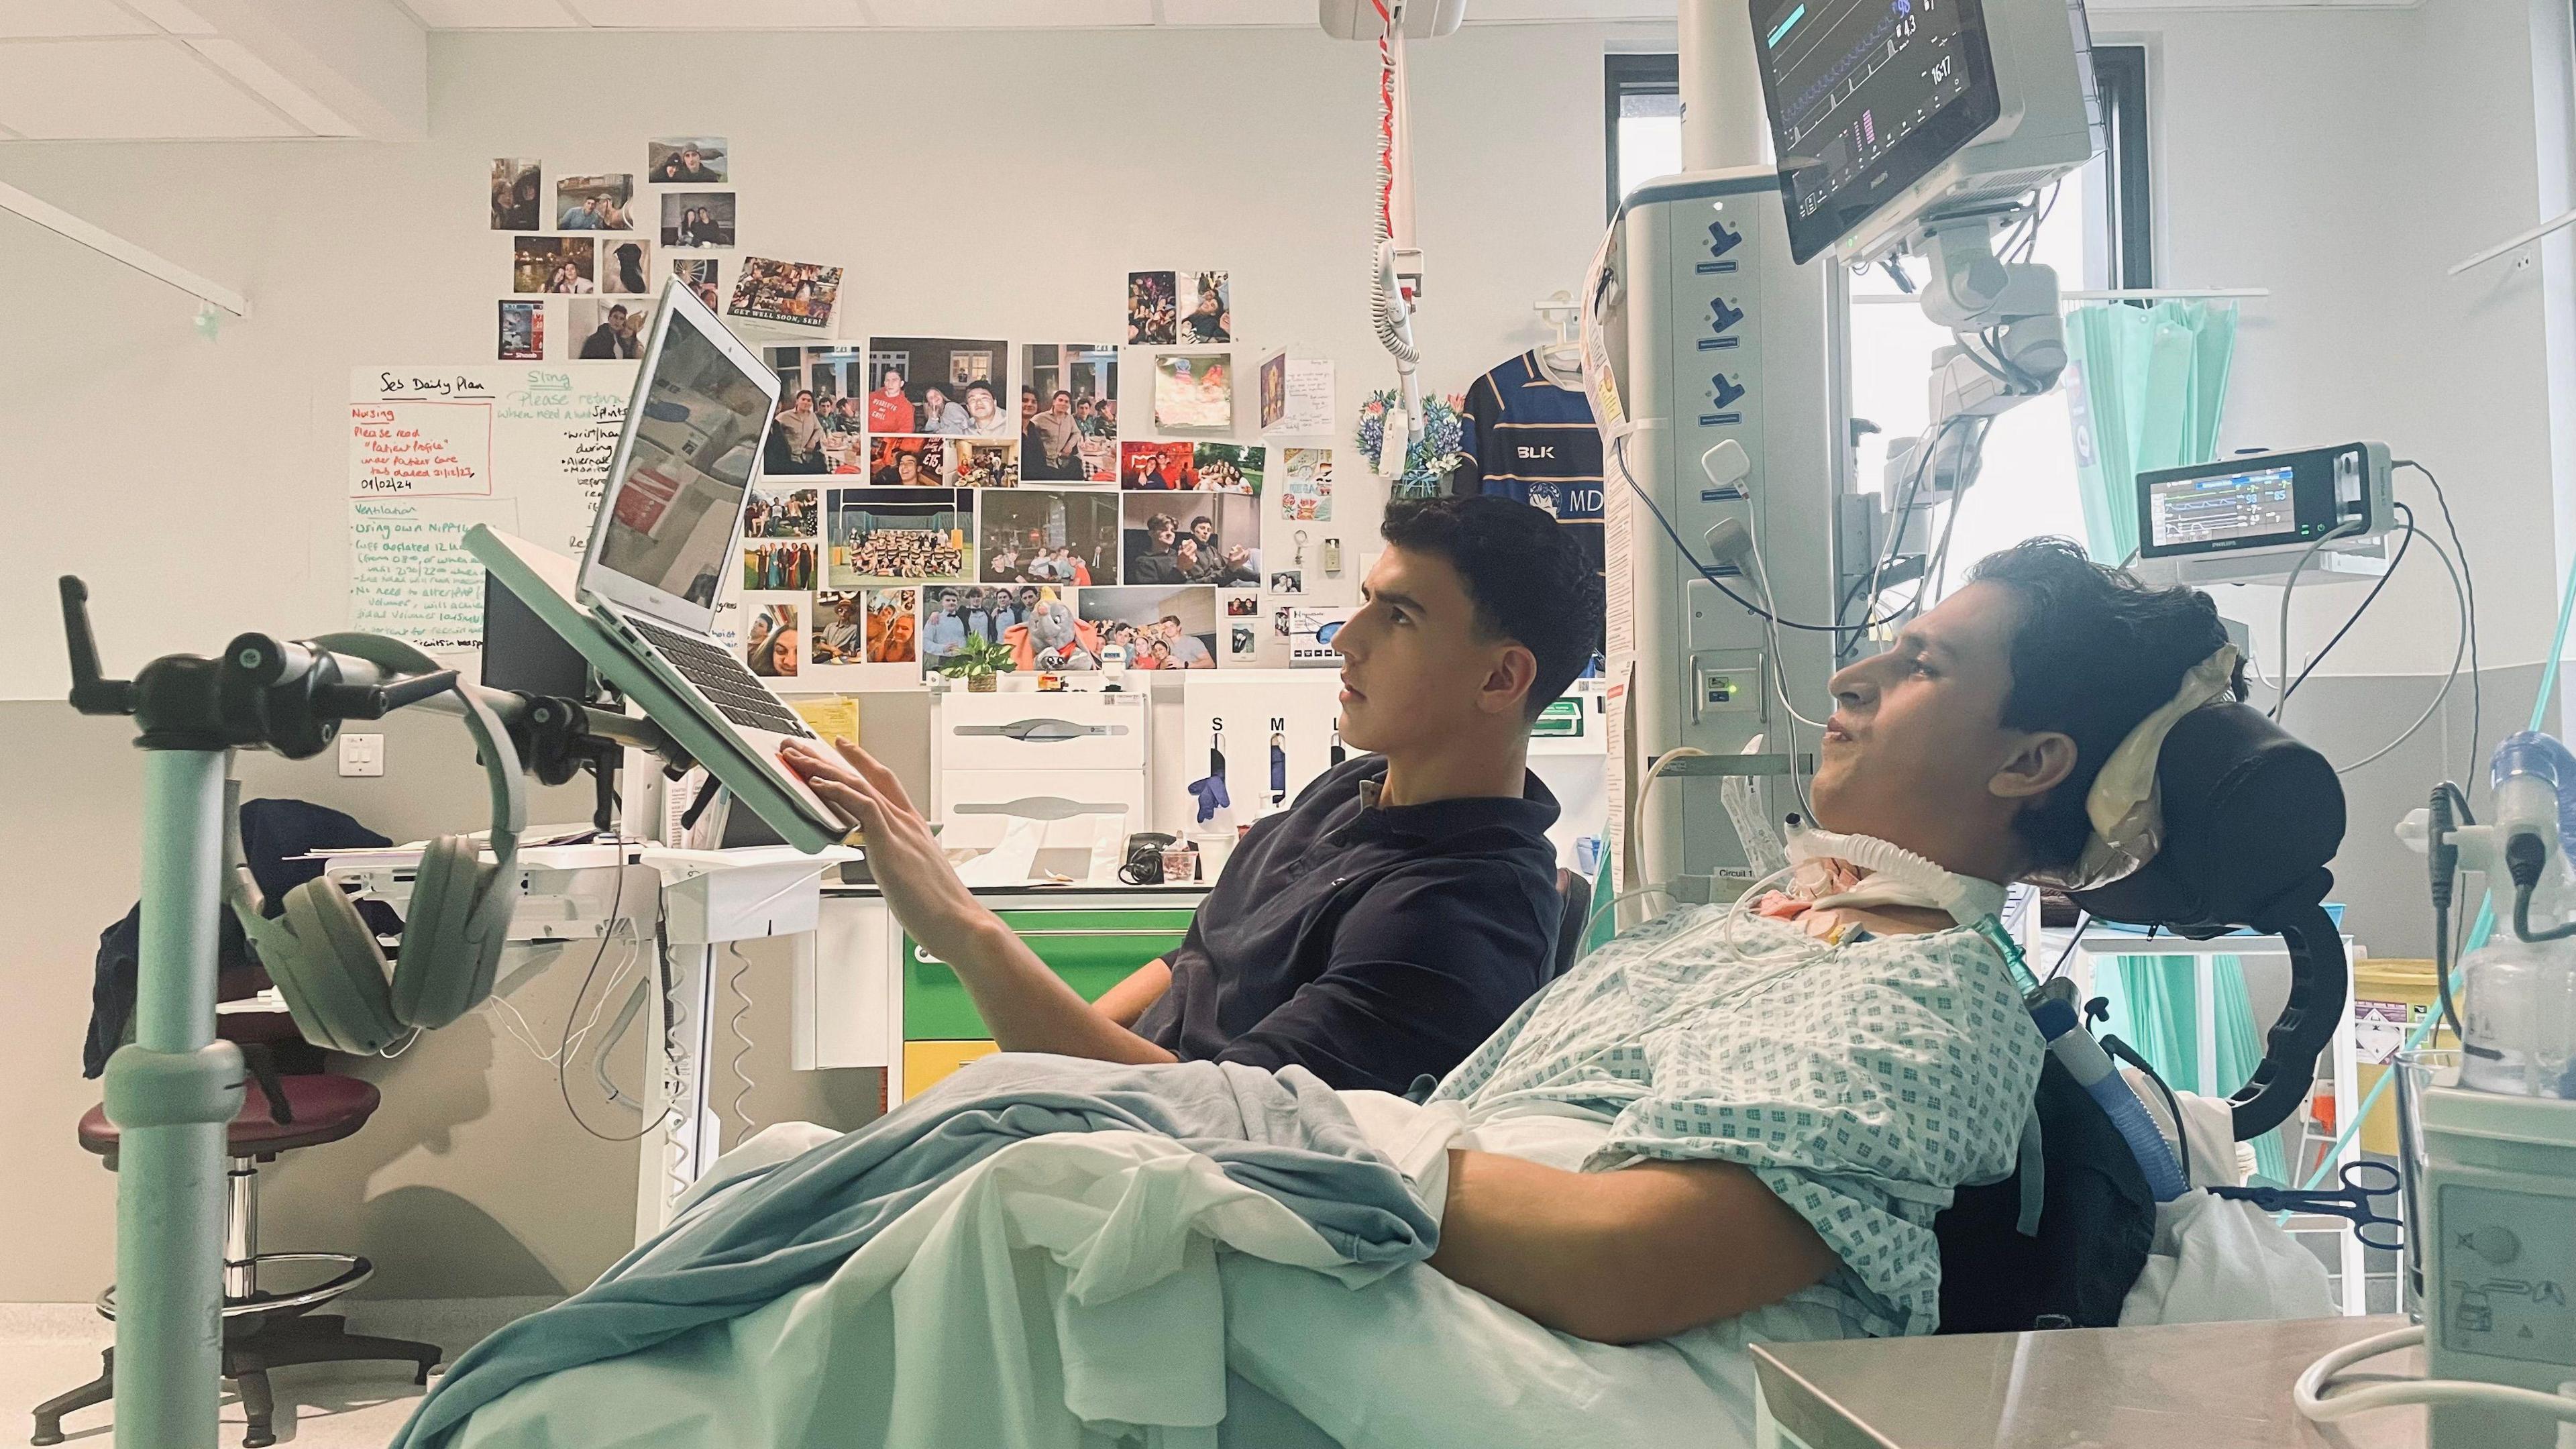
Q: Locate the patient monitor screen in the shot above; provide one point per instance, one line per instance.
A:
(1865, 97)
(2253, 504)
(670, 514)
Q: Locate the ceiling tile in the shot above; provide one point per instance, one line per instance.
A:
(68, 17)
(1479, 10)
(1244, 12)
(121, 90)
(1016, 14)
(721, 14)
(492, 14)
(174, 16)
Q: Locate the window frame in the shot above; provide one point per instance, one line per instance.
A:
(1624, 74)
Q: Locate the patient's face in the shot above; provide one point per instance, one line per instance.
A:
(1916, 751)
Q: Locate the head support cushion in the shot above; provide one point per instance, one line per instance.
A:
(2251, 817)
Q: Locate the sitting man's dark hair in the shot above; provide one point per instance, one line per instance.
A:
(1524, 573)
(2095, 652)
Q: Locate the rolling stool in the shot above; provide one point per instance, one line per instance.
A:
(262, 1330)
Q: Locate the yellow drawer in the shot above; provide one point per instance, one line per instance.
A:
(928, 1063)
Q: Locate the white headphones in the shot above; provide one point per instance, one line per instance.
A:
(325, 960)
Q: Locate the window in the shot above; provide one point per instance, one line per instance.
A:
(2096, 231)
(1644, 107)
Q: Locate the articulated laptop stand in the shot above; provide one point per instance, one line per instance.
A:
(545, 582)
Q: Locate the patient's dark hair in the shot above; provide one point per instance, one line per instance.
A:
(1523, 571)
(2094, 652)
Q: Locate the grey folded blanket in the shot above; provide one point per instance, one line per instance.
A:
(1283, 1134)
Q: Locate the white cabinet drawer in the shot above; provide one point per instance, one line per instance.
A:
(1124, 788)
(1041, 732)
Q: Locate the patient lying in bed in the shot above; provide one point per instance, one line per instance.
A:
(1720, 1126)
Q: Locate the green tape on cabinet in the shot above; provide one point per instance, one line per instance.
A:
(1091, 950)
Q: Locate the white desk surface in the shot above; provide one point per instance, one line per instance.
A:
(2188, 1386)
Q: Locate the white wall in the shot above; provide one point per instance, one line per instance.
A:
(2345, 160)
(985, 185)
(994, 184)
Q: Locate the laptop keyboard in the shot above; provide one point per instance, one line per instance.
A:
(735, 691)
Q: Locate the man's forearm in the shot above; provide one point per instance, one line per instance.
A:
(1028, 1007)
(1629, 1256)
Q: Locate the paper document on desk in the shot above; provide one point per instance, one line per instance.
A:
(1013, 862)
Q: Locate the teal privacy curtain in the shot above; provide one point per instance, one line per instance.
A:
(2143, 386)
(2155, 1007)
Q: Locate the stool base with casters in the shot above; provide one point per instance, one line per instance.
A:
(263, 1329)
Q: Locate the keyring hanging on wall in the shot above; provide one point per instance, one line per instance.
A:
(1297, 559)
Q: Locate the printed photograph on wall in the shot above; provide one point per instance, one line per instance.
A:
(697, 218)
(908, 462)
(834, 377)
(595, 203)
(1242, 641)
(1207, 538)
(1157, 467)
(987, 465)
(773, 639)
(601, 329)
(893, 635)
(518, 195)
(523, 332)
(782, 511)
(1273, 377)
(1035, 622)
(1193, 391)
(553, 264)
(1230, 467)
(1048, 536)
(1161, 628)
(772, 565)
(1153, 314)
(1243, 604)
(948, 386)
(896, 535)
(699, 273)
(1306, 485)
(799, 294)
(1069, 412)
(687, 161)
(1210, 317)
(1287, 581)
(627, 267)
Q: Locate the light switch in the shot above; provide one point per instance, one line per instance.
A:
(362, 754)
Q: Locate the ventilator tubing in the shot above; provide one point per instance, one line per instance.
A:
(2090, 1066)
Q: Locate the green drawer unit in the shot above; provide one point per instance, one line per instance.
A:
(1092, 950)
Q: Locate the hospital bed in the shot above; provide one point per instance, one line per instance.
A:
(1412, 1359)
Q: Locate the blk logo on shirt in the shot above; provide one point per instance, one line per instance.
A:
(1528, 453)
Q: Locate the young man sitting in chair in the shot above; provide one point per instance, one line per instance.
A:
(1400, 911)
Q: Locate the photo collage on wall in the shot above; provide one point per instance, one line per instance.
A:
(924, 498)
(605, 241)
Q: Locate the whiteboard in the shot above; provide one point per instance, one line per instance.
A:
(433, 451)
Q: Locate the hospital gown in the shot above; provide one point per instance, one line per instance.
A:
(1861, 1086)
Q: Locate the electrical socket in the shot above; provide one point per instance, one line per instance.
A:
(362, 755)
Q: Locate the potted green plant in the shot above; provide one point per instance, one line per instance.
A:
(977, 663)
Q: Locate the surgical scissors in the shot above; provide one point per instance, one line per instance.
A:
(2353, 1203)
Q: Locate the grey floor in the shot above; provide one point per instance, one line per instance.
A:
(46, 1349)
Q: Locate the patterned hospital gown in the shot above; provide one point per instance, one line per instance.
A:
(1861, 1086)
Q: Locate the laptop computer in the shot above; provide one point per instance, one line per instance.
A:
(665, 534)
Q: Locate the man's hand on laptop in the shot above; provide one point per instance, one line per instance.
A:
(903, 856)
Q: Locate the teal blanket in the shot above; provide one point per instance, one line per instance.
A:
(783, 1227)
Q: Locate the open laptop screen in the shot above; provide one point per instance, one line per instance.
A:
(676, 486)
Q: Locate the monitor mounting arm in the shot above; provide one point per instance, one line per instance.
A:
(2009, 345)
